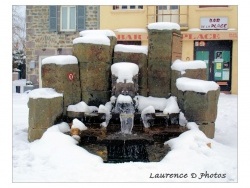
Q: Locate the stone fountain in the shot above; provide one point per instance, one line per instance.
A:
(129, 97)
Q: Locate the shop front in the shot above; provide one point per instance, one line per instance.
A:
(219, 50)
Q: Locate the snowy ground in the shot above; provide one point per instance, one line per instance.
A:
(57, 158)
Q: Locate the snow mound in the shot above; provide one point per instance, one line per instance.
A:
(64, 127)
(201, 86)
(82, 107)
(78, 124)
(124, 71)
(47, 93)
(93, 39)
(164, 26)
(60, 60)
(131, 48)
(184, 65)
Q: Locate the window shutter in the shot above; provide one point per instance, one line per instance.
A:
(80, 21)
(52, 18)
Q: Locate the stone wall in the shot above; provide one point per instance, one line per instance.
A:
(41, 43)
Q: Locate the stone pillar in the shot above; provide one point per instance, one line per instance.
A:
(137, 55)
(62, 74)
(94, 57)
(160, 36)
(198, 101)
(45, 109)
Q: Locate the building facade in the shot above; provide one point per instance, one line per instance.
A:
(50, 30)
(210, 33)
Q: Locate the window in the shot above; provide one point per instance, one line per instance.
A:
(127, 7)
(68, 18)
(72, 18)
(173, 7)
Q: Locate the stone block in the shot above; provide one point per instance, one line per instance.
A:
(199, 107)
(95, 76)
(159, 76)
(34, 134)
(64, 79)
(96, 98)
(207, 128)
(85, 52)
(43, 113)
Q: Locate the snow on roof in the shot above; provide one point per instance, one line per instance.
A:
(44, 93)
(124, 71)
(124, 99)
(203, 86)
(60, 60)
(93, 39)
(131, 48)
(78, 124)
(131, 30)
(82, 107)
(164, 26)
(108, 33)
(183, 65)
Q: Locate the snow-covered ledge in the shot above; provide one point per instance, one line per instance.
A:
(200, 86)
(182, 66)
(93, 39)
(60, 60)
(131, 49)
(47, 93)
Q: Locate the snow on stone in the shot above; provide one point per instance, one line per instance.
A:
(131, 48)
(82, 107)
(124, 71)
(131, 30)
(64, 127)
(106, 32)
(106, 111)
(60, 60)
(172, 106)
(182, 119)
(144, 102)
(93, 39)
(202, 86)
(47, 93)
(124, 99)
(78, 124)
(145, 111)
(184, 65)
(164, 26)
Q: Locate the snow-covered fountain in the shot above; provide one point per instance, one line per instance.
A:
(123, 102)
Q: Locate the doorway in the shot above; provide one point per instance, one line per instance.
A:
(218, 57)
